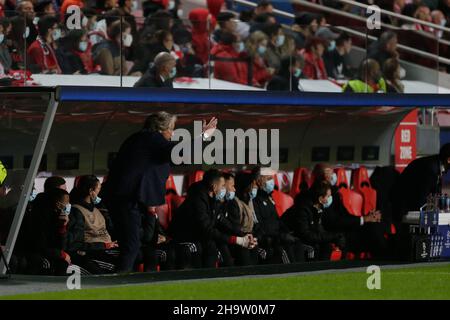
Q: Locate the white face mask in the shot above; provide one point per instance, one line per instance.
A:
(180, 13)
(35, 21)
(2, 37)
(27, 32)
(134, 6)
(84, 22)
(127, 40)
(402, 73)
(171, 5)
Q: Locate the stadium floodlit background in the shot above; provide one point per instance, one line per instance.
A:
(321, 48)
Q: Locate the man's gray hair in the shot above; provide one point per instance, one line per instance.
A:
(159, 121)
(161, 59)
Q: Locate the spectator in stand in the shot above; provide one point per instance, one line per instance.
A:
(197, 219)
(391, 73)
(45, 8)
(276, 44)
(203, 23)
(161, 41)
(42, 51)
(314, 64)
(288, 76)
(18, 43)
(188, 65)
(150, 7)
(305, 26)
(305, 220)
(88, 233)
(26, 10)
(5, 56)
(444, 6)
(227, 23)
(160, 20)
(125, 10)
(422, 13)
(438, 18)
(74, 53)
(230, 60)
(384, 48)
(263, 6)
(108, 53)
(336, 56)
(256, 47)
(243, 26)
(160, 74)
(260, 21)
(215, 7)
(369, 80)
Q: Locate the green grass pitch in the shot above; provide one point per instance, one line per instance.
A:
(425, 282)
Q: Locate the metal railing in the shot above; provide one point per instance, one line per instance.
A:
(353, 32)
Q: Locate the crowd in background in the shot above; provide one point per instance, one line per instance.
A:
(249, 48)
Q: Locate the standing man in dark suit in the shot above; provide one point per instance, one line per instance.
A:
(421, 177)
(160, 73)
(136, 182)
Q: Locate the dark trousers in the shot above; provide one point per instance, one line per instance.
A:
(369, 238)
(127, 219)
(273, 248)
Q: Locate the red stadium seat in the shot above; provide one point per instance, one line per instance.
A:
(361, 184)
(283, 201)
(300, 181)
(196, 176)
(352, 200)
(336, 255)
(170, 185)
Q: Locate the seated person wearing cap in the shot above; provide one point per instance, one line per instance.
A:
(160, 74)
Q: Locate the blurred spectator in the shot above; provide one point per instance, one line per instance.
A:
(5, 56)
(188, 65)
(398, 6)
(215, 7)
(149, 7)
(18, 40)
(74, 53)
(243, 26)
(226, 22)
(125, 10)
(314, 64)
(305, 25)
(444, 6)
(422, 13)
(288, 76)
(369, 79)
(203, 23)
(161, 41)
(336, 60)
(160, 20)
(256, 47)
(45, 8)
(88, 232)
(160, 74)
(260, 21)
(277, 39)
(26, 10)
(108, 53)
(227, 59)
(42, 51)
(438, 18)
(54, 182)
(67, 3)
(391, 73)
(384, 48)
(305, 219)
(263, 6)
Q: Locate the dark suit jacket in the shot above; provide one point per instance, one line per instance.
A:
(140, 171)
(152, 80)
(420, 178)
(196, 219)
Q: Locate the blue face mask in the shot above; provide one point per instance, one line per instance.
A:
(33, 195)
(262, 50)
(329, 202)
(332, 45)
(83, 46)
(56, 34)
(269, 186)
(297, 73)
(239, 47)
(97, 200)
(230, 195)
(173, 72)
(67, 209)
(280, 40)
(333, 179)
(221, 195)
(253, 193)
